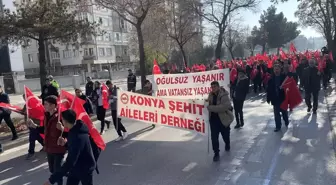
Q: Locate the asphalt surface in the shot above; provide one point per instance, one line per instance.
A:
(300, 155)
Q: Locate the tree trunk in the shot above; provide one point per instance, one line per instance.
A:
(142, 61)
(183, 55)
(231, 53)
(42, 60)
(219, 45)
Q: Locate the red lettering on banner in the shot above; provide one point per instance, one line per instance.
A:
(161, 92)
(139, 115)
(185, 107)
(146, 101)
(180, 92)
(190, 124)
(202, 90)
(208, 78)
(172, 80)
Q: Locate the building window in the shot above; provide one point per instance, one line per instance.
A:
(67, 54)
(99, 37)
(106, 22)
(91, 52)
(86, 52)
(101, 52)
(55, 55)
(117, 36)
(30, 58)
(125, 51)
(122, 23)
(75, 53)
(108, 51)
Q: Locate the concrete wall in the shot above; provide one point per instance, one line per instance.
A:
(34, 83)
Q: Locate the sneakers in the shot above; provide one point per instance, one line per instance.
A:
(119, 138)
(309, 109)
(30, 156)
(277, 130)
(124, 135)
(216, 157)
(102, 132)
(314, 112)
(227, 148)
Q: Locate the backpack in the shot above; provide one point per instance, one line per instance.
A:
(96, 152)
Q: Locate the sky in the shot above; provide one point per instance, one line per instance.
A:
(288, 10)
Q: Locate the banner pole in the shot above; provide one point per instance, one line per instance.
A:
(27, 117)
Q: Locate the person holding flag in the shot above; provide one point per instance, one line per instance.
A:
(121, 131)
(6, 113)
(80, 162)
(52, 131)
(276, 95)
(34, 134)
(100, 99)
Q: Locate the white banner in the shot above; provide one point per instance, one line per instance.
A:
(189, 85)
(186, 114)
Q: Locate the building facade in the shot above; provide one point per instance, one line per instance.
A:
(108, 51)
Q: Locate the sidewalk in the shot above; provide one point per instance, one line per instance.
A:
(331, 106)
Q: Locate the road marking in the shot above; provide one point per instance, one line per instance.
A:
(189, 167)
(13, 150)
(274, 163)
(141, 136)
(37, 167)
(5, 170)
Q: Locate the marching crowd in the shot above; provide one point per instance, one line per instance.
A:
(69, 135)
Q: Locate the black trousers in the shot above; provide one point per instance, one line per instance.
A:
(101, 112)
(217, 127)
(131, 89)
(84, 179)
(277, 116)
(55, 164)
(257, 85)
(308, 95)
(9, 122)
(34, 135)
(117, 123)
(238, 109)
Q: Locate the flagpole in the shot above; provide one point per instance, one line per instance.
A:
(26, 102)
(59, 111)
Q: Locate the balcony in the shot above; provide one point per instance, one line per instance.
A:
(92, 57)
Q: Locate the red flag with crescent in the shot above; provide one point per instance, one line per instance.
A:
(82, 115)
(33, 105)
(156, 69)
(105, 96)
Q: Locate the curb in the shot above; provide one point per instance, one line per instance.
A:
(331, 115)
(24, 137)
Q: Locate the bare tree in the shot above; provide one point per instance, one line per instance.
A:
(134, 12)
(217, 13)
(181, 23)
(317, 14)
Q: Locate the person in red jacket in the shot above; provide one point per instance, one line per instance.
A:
(52, 130)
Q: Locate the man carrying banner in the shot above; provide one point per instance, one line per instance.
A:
(221, 116)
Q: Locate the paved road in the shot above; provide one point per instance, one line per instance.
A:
(300, 155)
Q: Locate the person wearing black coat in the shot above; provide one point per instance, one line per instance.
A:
(48, 90)
(312, 85)
(6, 113)
(80, 163)
(239, 95)
(89, 87)
(131, 81)
(88, 104)
(276, 95)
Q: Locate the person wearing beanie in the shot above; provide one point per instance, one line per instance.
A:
(52, 130)
(80, 162)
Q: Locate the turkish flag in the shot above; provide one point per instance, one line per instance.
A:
(233, 75)
(156, 69)
(11, 107)
(105, 96)
(33, 105)
(292, 94)
(82, 115)
(219, 64)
